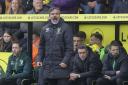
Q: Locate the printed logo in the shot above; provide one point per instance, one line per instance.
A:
(21, 62)
(47, 30)
(58, 30)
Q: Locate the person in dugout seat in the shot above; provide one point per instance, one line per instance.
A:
(19, 67)
(86, 68)
(96, 44)
(77, 41)
(115, 67)
(6, 41)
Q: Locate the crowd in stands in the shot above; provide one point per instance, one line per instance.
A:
(15, 35)
(69, 6)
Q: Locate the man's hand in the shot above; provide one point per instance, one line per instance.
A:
(63, 65)
(74, 76)
(39, 64)
(107, 77)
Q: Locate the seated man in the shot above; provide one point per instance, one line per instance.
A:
(19, 67)
(115, 67)
(86, 68)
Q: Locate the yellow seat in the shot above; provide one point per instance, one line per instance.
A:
(4, 60)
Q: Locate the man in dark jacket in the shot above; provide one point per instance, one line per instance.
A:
(86, 68)
(18, 68)
(115, 67)
(55, 49)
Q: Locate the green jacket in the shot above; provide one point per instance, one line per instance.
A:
(19, 66)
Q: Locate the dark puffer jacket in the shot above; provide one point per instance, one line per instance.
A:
(90, 67)
(56, 47)
(19, 66)
(38, 25)
(120, 6)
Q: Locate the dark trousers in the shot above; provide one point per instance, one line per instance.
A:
(41, 81)
(56, 82)
(103, 81)
(14, 82)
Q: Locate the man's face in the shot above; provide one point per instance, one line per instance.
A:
(6, 37)
(82, 53)
(16, 49)
(37, 4)
(94, 40)
(15, 4)
(76, 42)
(54, 16)
(114, 50)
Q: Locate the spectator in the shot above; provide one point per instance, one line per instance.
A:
(19, 67)
(55, 50)
(86, 68)
(38, 8)
(66, 6)
(120, 6)
(6, 42)
(92, 6)
(109, 5)
(16, 7)
(114, 67)
(8, 6)
(82, 36)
